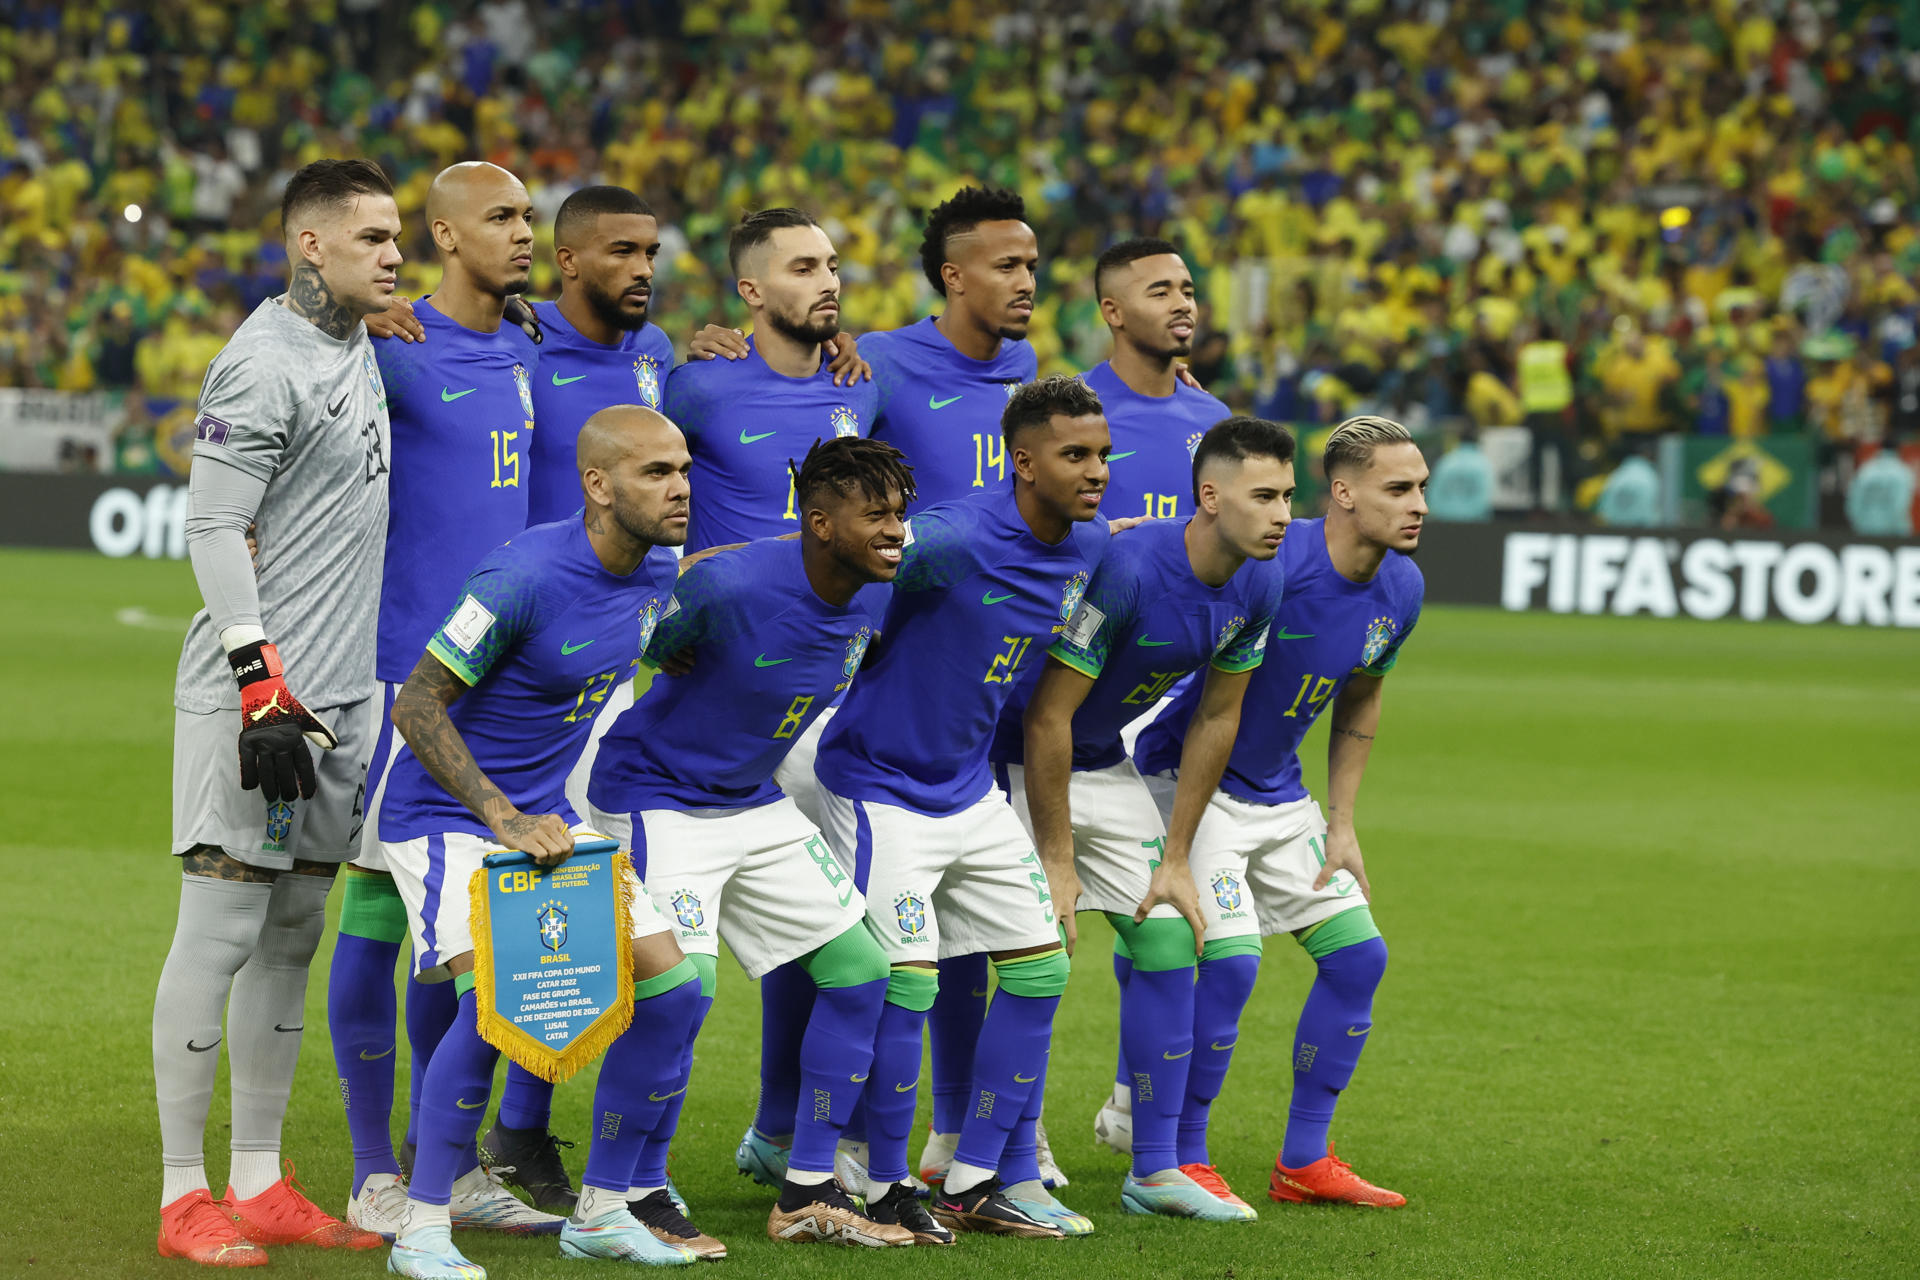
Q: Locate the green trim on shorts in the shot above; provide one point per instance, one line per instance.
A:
(678, 976)
(1220, 948)
(1037, 976)
(1352, 925)
(708, 969)
(1120, 947)
(851, 960)
(912, 987)
(462, 983)
(1156, 944)
(371, 907)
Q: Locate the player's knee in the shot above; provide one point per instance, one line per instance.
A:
(371, 907)
(851, 960)
(1230, 966)
(1038, 976)
(1155, 944)
(1355, 970)
(912, 986)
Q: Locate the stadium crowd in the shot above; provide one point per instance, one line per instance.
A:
(1605, 222)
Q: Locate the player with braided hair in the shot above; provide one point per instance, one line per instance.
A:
(775, 630)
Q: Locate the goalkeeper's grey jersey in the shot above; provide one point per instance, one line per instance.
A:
(305, 415)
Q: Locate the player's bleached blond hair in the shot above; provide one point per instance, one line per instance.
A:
(1351, 444)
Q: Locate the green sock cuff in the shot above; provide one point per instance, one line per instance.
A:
(371, 907)
(678, 976)
(1220, 948)
(1120, 947)
(1037, 976)
(462, 983)
(708, 967)
(851, 960)
(1335, 932)
(1155, 944)
(912, 987)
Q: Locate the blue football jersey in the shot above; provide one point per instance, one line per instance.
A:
(769, 657)
(974, 593)
(578, 378)
(744, 422)
(942, 409)
(542, 632)
(461, 404)
(1328, 629)
(1145, 622)
(1150, 471)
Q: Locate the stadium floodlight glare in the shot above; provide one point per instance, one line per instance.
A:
(131, 213)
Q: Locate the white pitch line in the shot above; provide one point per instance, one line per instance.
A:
(138, 617)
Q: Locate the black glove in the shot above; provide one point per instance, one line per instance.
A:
(519, 312)
(274, 727)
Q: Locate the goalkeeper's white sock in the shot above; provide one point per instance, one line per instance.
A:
(266, 1018)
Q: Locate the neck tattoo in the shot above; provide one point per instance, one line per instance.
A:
(309, 298)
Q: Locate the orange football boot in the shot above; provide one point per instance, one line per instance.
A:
(1328, 1181)
(200, 1229)
(1214, 1185)
(282, 1214)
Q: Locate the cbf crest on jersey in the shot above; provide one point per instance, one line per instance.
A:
(373, 377)
(1380, 634)
(910, 913)
(1228, 632)
(1070, 599)
(856, 650)
(649, 619)
(552, 964)
(845, 422)
(552, 919)
(646, 376)
(524, 385)
(1193, 443)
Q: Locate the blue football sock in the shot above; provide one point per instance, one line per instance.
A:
(642, 1068)
(835, 1061)
(1219, 995)
(1122, 970)
(953, 1029)
(361, 1019)
(1011, 1060)
(893, 1090)
(1326, 1047)
(786, 1004)
(526, 1102)
(430, 1010)
(1156, 1038)
(650, 1167)
(1020, 1158)
(459, 1081)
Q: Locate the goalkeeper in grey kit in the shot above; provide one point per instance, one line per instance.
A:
(292, 440)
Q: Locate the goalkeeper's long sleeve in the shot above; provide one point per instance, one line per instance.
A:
(221, 502)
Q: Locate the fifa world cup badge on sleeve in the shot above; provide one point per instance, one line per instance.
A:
(552, 966)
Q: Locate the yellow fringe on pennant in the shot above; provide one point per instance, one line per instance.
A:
(503, 1034)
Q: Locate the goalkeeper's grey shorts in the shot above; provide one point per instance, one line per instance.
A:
(209, 806)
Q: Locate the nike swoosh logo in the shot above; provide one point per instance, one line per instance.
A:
(1175, 1057)
(664, 1097)
(375, 1057)
(981, 994)
(764, 661)
(333, 410)
(940, 404)
(1145, 643)
(1284, 634)
(278, 1027)
(1222, 1048)
(859, 1079)
(199, 1048)
(747, 439)
(559, 381)
(448, 397)
(1359, 1031)
(988, 598)
(908, 1087)
(574, 648)
(1115, 457)
(464, 1105)
(1020, 1079)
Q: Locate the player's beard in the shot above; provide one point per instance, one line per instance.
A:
(804, 329)
(650, 530)
(607, 309)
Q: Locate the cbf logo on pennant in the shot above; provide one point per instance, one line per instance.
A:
(552, 962)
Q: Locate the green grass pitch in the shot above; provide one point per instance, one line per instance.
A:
(1653, 1009)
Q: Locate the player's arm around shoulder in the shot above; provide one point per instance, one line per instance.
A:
(940, 550)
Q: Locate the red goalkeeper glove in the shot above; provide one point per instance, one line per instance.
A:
(274, 727)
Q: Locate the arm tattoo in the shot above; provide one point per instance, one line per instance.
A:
(1355, 734)
(309, 297)
(420, 714)
(216, 864)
